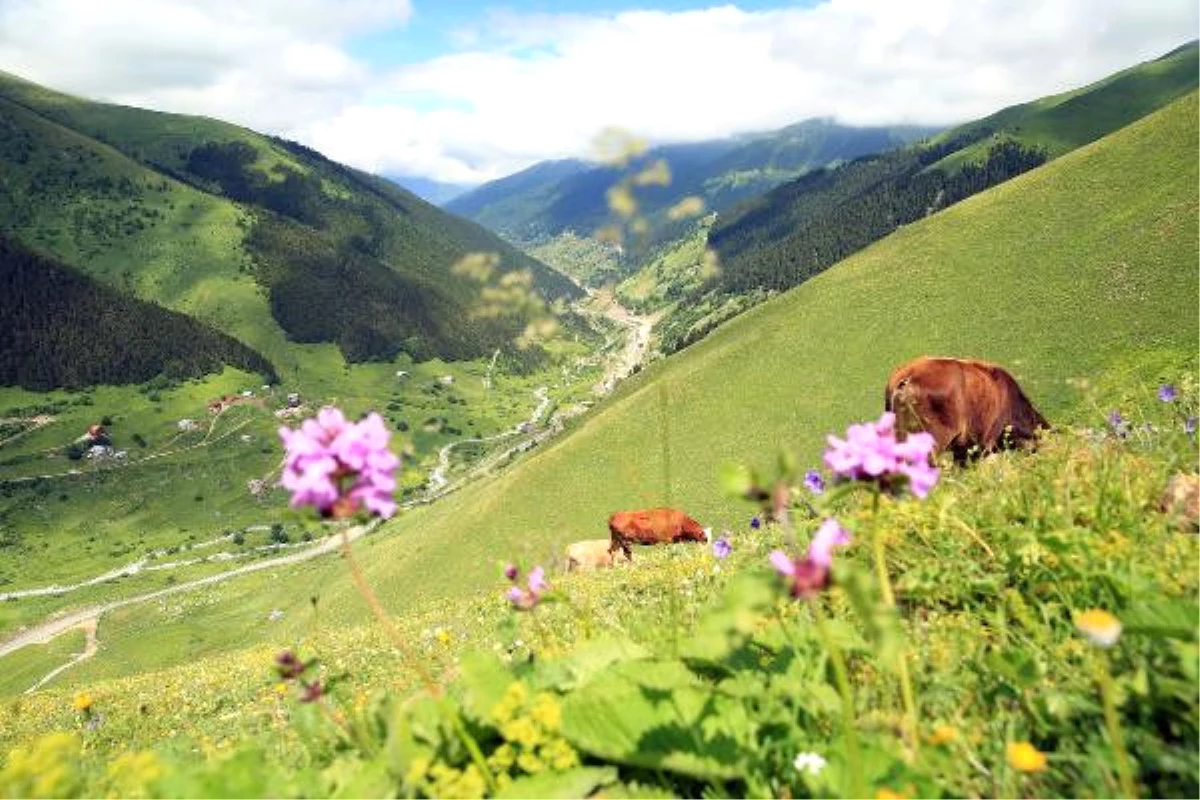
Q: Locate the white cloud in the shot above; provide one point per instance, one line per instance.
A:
(523, 87)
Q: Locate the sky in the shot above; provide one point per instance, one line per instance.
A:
(466, 92)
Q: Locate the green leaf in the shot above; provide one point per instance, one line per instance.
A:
(1170, 619)
(578, 782)
(724, 630)
(586, 660)
(482, 685)
(658, 716)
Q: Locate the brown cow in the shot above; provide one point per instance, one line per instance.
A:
(652, 526)
(592, 554)
(970, 407)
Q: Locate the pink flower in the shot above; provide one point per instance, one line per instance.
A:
(339, 466)
(870, 452)
(526, 598)
(809, 575)
(828, 536)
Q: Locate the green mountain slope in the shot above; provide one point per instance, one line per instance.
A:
(803, 227)
(555, 197)
(253, 235)
(1066, 273)
(63, 329)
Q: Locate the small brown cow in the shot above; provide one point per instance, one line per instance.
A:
(592, 554)
(970, 407)
(652, 526)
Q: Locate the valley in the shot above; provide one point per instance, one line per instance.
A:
(1023, 625)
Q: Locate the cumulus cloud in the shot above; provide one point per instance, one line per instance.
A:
(520, 88)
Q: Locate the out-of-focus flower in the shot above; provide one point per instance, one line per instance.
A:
(1100, 626)
(511, 572)
(536, 586)
(339, 466)
(814, 482)
(870, 452)
(828, 536)
(810, 763)
(1024, 757)
(755, 523)
(289, 665)
(721, 548)
(1118, 423)
(312, 692)
(942, 734)
(83, 702)
(806, 578)
(1189, 426)
(1167, 393)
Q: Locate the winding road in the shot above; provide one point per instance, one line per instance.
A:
(633, 353)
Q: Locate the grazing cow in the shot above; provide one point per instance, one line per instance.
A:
(970, 407)
(592, 554)
(652, 526)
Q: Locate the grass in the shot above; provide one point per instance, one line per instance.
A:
(29, 665)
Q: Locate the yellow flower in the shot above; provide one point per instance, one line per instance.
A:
(1100, 626)
(1024, 757)
(546, 711)
(281, 689)
(884, 793)
(443, 636)
(83, 701)
(942, 734)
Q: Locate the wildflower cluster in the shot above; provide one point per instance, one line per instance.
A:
(530, 727)
(338, 467)
(871, 452)
(530, 595)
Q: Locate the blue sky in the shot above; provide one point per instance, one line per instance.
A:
(469, 92)
(438, 28)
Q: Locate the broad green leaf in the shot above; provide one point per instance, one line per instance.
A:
(482, 685)
(735, 479)
(578, 782)
(587, 659)
(659, 717)
(1171, 619)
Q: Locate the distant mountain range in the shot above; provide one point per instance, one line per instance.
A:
(554, 197)
(429, 190)
(261, 239)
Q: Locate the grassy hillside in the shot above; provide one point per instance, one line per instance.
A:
(1074, 297)
(801, 228)
(241, 230)
(65, 330)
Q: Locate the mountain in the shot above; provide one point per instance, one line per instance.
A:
(432, 191)
(560, 196)
(1070, 274)
(261, 238)
(804, 226)
(63, 329)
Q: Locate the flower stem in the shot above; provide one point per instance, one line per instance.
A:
(389, 627)
(1111, 721)
(857, 789)
(889, 598)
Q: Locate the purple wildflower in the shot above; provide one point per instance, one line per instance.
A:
(1167, 393)
(339, 466)
(755, 523)
(809, 575)
(1118, 423)
(312, 692)
(828, 536)
(806, 578)
(814, 482)
(1189, 426)
(511, 572)
(871, 452)
(289, 665)
(721, 548)
(527, 598)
